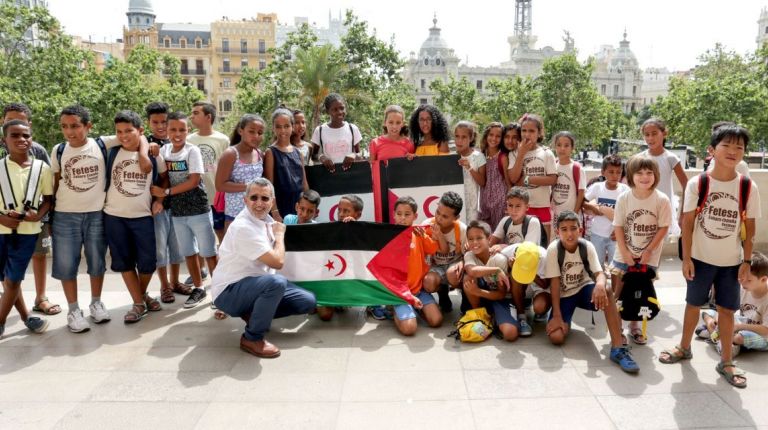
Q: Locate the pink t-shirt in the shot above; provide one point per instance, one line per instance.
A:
(384, 148)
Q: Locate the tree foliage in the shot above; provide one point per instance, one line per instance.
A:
(725, 86)
(54, 73)
(364, 69)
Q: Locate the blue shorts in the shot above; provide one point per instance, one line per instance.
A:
(15, 253)
(73, 231)
(167, 248)
(724, 279)
(131, 243)
(228, 218)
(582, 299)
(502, 311)
(407, 312)
(218, 219)
(193, 231)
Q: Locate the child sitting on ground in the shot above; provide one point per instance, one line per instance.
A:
(751, 321)
(306, 209)
(422, 245)
(575, 282)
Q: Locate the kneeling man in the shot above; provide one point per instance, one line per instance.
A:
(245, 283)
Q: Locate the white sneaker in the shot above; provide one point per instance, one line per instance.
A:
(99, 313)
(76, 322)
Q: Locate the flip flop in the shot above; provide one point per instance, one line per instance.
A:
(637, 336)
(44, 306)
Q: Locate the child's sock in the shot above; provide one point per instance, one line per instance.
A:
(74, 307)
(95, 299)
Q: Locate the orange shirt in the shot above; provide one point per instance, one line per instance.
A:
(417, 258)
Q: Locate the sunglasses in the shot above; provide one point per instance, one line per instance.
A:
(256, 197)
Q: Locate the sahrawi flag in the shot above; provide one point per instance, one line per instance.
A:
(349, 264)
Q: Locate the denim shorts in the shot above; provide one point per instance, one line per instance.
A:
(195, 231)
(502, 311)
(217, 218)
(72, 232)
(167, 248)
(604, 247)
(724, 279)
(582, 299)
(15, 253)
(131, 243)
(407, 312)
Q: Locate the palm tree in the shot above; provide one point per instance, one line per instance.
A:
(317, 73)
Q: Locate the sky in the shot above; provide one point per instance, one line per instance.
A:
(662, 33)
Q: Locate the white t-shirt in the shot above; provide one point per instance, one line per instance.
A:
(514, 233)
(640, 220)
(471, 188)
(81, 187)
(539, 162)
(495, 260)
(572, 275)
(564, 192)
(455, 252)
(337, 142)
(129, 195)
(247, 239)
(667, 161)
(541, 271)
(716, 230)
(601, 225)
(753, 310)
(742, 167)
(211, 148)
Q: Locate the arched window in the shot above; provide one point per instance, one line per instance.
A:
(227, 106)
(182, 43)
(437, 61)
(426, 61)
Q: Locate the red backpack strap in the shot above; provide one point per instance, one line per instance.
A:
(745, 187)
(703, 192)
(576, 175)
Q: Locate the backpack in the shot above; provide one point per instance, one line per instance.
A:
(582, 245)
(526, 221)
(31, 198)
(638, 301)
(475, 326)
(745, 187)
(111, 161)
(99, 142)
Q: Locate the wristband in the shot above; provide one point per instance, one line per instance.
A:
(746, 261)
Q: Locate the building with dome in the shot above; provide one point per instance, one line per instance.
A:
(618, 76)
(437, 60)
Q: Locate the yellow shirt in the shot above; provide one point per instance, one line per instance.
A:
(428, 150)
(19, 177)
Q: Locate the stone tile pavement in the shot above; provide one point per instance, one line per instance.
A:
(181, 368)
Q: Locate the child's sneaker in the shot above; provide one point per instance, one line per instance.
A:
(525, 329)
(702, 332)
(76, 322)
(197, 296)
(99, 313)
(203, 275)
(540, 318)
(623, 358)
(36, 324)
(378, 312)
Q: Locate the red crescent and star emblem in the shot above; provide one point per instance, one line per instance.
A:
(332, 213)
(330, 265)
(427, 202)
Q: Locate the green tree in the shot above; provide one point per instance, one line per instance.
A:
(725, 86)
(460, 100)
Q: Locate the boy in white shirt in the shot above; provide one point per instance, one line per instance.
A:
(600, 199)
(128, 222)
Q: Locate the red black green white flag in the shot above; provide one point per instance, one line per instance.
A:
(349, 264)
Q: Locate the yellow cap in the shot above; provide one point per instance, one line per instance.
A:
(526, 263)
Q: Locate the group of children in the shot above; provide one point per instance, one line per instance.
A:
(168, 198)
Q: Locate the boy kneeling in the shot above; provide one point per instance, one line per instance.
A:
(578, 283)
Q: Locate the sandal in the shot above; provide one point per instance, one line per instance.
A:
(151, 303)
(637, 336)
(182, 289)
(675, 354)
(167, 296)
(136, 313)
(736, 377)
(44, 306)
(219, 315)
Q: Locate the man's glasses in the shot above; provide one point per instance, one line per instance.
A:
(256, 197)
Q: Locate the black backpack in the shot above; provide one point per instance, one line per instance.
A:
(527, 220)
(637, 301)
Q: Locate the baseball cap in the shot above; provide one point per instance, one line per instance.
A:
(526, 263)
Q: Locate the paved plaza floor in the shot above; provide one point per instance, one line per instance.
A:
(182, 369)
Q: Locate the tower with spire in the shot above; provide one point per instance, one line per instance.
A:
(762, 28)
